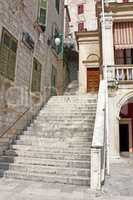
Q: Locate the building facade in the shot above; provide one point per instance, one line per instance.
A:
(110, 46)
(31, 64)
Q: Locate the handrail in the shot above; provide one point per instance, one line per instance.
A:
(14, 123)
(98, 149)
(98, 136)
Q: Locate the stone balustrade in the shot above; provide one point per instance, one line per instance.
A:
(124, 73)
(99, 141)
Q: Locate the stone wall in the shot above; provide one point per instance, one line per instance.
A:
(18, 16)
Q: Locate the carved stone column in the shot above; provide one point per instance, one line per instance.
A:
(107, 40)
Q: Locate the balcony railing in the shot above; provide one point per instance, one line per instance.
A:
(124, 72)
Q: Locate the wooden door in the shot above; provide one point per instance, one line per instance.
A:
(93, 78)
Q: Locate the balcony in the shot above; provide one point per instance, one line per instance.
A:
(124, 73)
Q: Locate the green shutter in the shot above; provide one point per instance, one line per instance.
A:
(36, 76)
(57, 5)
(8, 49)
(42, 12)
(60, 48)
(11, 65)
(53, 81)
(12, 59)
(4, 55)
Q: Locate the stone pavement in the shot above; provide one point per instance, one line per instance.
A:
(119, 186)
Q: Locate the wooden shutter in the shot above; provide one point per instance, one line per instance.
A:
(57, 5)
(8, 49)
(12, 59)
(4, 53)
(36, 76)
(81, 26)
(53, 81)
(42, 12)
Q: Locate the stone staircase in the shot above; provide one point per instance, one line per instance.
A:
(56, 147)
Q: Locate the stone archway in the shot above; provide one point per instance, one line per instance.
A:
(125, 124)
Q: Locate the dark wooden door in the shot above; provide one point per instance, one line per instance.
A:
(93, 78)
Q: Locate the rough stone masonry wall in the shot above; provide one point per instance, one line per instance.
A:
(18, 18)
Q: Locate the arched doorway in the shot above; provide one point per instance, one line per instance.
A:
(126, 128)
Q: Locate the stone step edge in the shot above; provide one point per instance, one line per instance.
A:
(42, 159)
(42, 166)
(49, 175)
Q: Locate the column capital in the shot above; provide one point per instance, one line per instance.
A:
(108, 21)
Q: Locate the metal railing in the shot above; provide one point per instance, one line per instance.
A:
(14, 123)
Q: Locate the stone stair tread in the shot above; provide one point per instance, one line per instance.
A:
(44, 167)
(51, 155)
(3, 158)
(75, 177)
(22, 146)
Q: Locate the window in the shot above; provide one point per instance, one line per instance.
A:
(36, 76)
(81, 27)
(80, 9)
(8, 49)
(123, 56)
(57, 5)
(42, 14)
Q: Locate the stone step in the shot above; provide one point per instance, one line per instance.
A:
(48, 155)
(69, 106)
(72, 180)
(66, 117)
(60, 133)
(73, 98)
(55, 109)
(63, 121)
(83, 150)
(87, 129)
(58, 139)
(61, 124)
(58, 144)
(39, 169)
(46, 162)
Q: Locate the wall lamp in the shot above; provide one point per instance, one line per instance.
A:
(55, 40)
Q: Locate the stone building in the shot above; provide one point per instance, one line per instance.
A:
(105, 53)
(31, 65)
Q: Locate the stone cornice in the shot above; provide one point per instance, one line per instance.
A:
(87, 34)
(116, 7)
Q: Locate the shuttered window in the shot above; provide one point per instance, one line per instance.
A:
(8, 49)
(42, 13)
(80, 9)
(81, 27)
(57, 5)
(36, 76)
